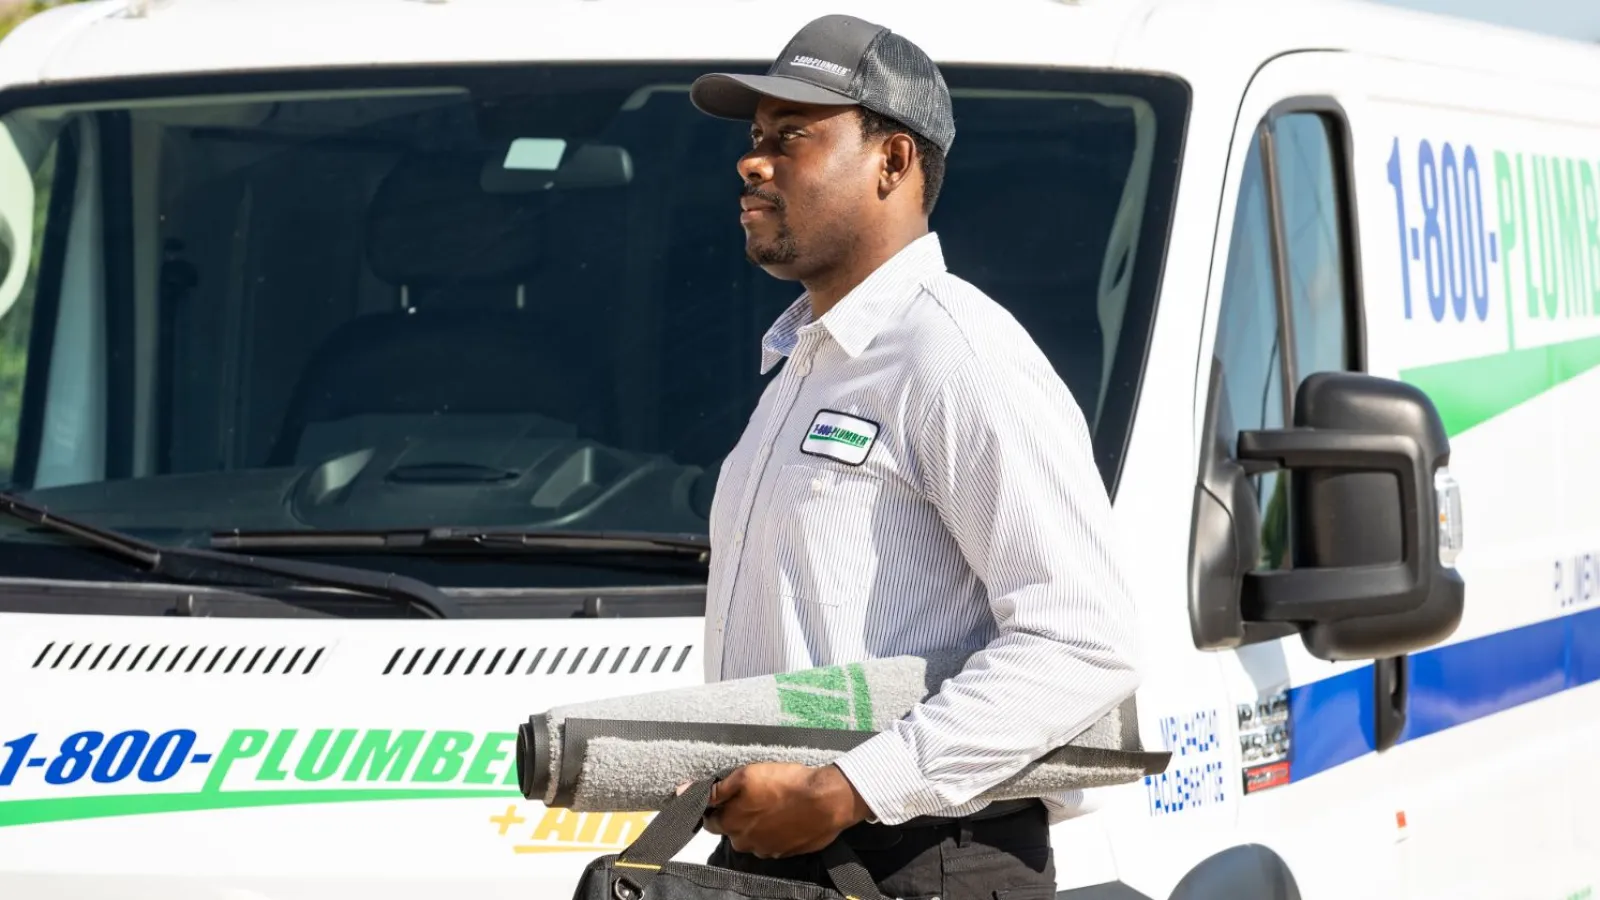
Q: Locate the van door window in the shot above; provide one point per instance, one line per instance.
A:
(1287, 296)
(1314, 243)
(1249, 343)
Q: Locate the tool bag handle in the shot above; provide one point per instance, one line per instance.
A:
(681, 819)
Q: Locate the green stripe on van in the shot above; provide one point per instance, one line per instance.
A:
(1469, 392)
(69, 809)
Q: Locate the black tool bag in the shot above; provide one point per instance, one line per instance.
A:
(643, 872)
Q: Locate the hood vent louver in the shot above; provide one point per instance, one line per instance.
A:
(186, 659)
(537, 661)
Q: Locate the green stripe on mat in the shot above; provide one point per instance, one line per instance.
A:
(863, 697)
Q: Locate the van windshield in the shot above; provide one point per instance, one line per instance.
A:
(505, 297)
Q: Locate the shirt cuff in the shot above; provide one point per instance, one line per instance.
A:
(887, 776)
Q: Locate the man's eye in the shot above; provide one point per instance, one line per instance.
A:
(783, 135)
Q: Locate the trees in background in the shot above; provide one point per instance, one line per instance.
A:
(12, 14)
(14, 324)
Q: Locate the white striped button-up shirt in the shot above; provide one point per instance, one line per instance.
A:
(918, 478)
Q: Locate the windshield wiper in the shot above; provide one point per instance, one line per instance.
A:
(621, 542)
(192, 565)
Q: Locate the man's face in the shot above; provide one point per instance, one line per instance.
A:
(807, 178)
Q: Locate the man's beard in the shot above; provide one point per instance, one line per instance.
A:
(779, 250)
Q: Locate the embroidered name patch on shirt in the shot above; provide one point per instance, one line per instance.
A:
(835, 435)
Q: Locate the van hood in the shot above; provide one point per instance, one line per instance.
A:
(270, 759)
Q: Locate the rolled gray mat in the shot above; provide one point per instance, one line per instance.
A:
(630, 753)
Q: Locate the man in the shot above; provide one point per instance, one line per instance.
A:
(916, 478)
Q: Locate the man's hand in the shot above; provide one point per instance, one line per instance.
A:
(774, 810)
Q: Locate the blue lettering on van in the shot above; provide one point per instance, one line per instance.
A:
(1187, 788)
(1501, 247)
(1469, 225)
(135, 753)
(1192, 734)
(1445, 255)
(1577, 581)
(1196, 777)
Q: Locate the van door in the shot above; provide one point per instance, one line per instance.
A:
(1461, 769)
(1481, 241)
(1289, 304)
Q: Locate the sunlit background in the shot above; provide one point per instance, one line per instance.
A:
(1568, 18)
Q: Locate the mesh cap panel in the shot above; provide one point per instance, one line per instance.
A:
(898, 80)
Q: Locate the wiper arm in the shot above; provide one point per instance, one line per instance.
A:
(194, 565)
(648, 543)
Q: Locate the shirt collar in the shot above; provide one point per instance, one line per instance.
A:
(860, 315)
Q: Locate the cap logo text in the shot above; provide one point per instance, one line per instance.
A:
(822, 65)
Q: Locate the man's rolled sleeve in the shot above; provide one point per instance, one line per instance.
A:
(889, 778)
(1004, 454)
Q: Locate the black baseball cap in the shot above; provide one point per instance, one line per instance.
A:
(842, 61)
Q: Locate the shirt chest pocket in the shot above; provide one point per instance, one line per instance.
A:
(824, 524)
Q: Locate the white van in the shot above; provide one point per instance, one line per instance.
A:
(455, 291)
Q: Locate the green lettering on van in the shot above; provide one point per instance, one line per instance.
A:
(1565, 184)
(1505, 197)
(377, 753)
(272, 766)
(1591, 231)
(445, 756)
(490, 750)
(318, 761)
(1528, 249)
(241, 743)
(1549, 261)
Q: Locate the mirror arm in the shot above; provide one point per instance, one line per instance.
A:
(1308, 448)
(1332, 594)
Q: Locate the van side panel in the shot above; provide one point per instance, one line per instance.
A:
(1480, 237)
(1478, 223)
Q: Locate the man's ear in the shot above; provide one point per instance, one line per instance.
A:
(899, 161)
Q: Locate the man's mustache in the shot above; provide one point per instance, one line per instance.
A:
(750, 190)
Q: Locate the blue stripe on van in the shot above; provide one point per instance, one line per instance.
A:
(1330, 721)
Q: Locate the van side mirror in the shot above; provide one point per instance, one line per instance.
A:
(1373, 521)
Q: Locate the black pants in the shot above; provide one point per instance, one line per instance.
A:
(1003, 858)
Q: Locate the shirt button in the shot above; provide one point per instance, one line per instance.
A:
(816, 485)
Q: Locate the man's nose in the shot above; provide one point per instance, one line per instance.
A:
(755, 167)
